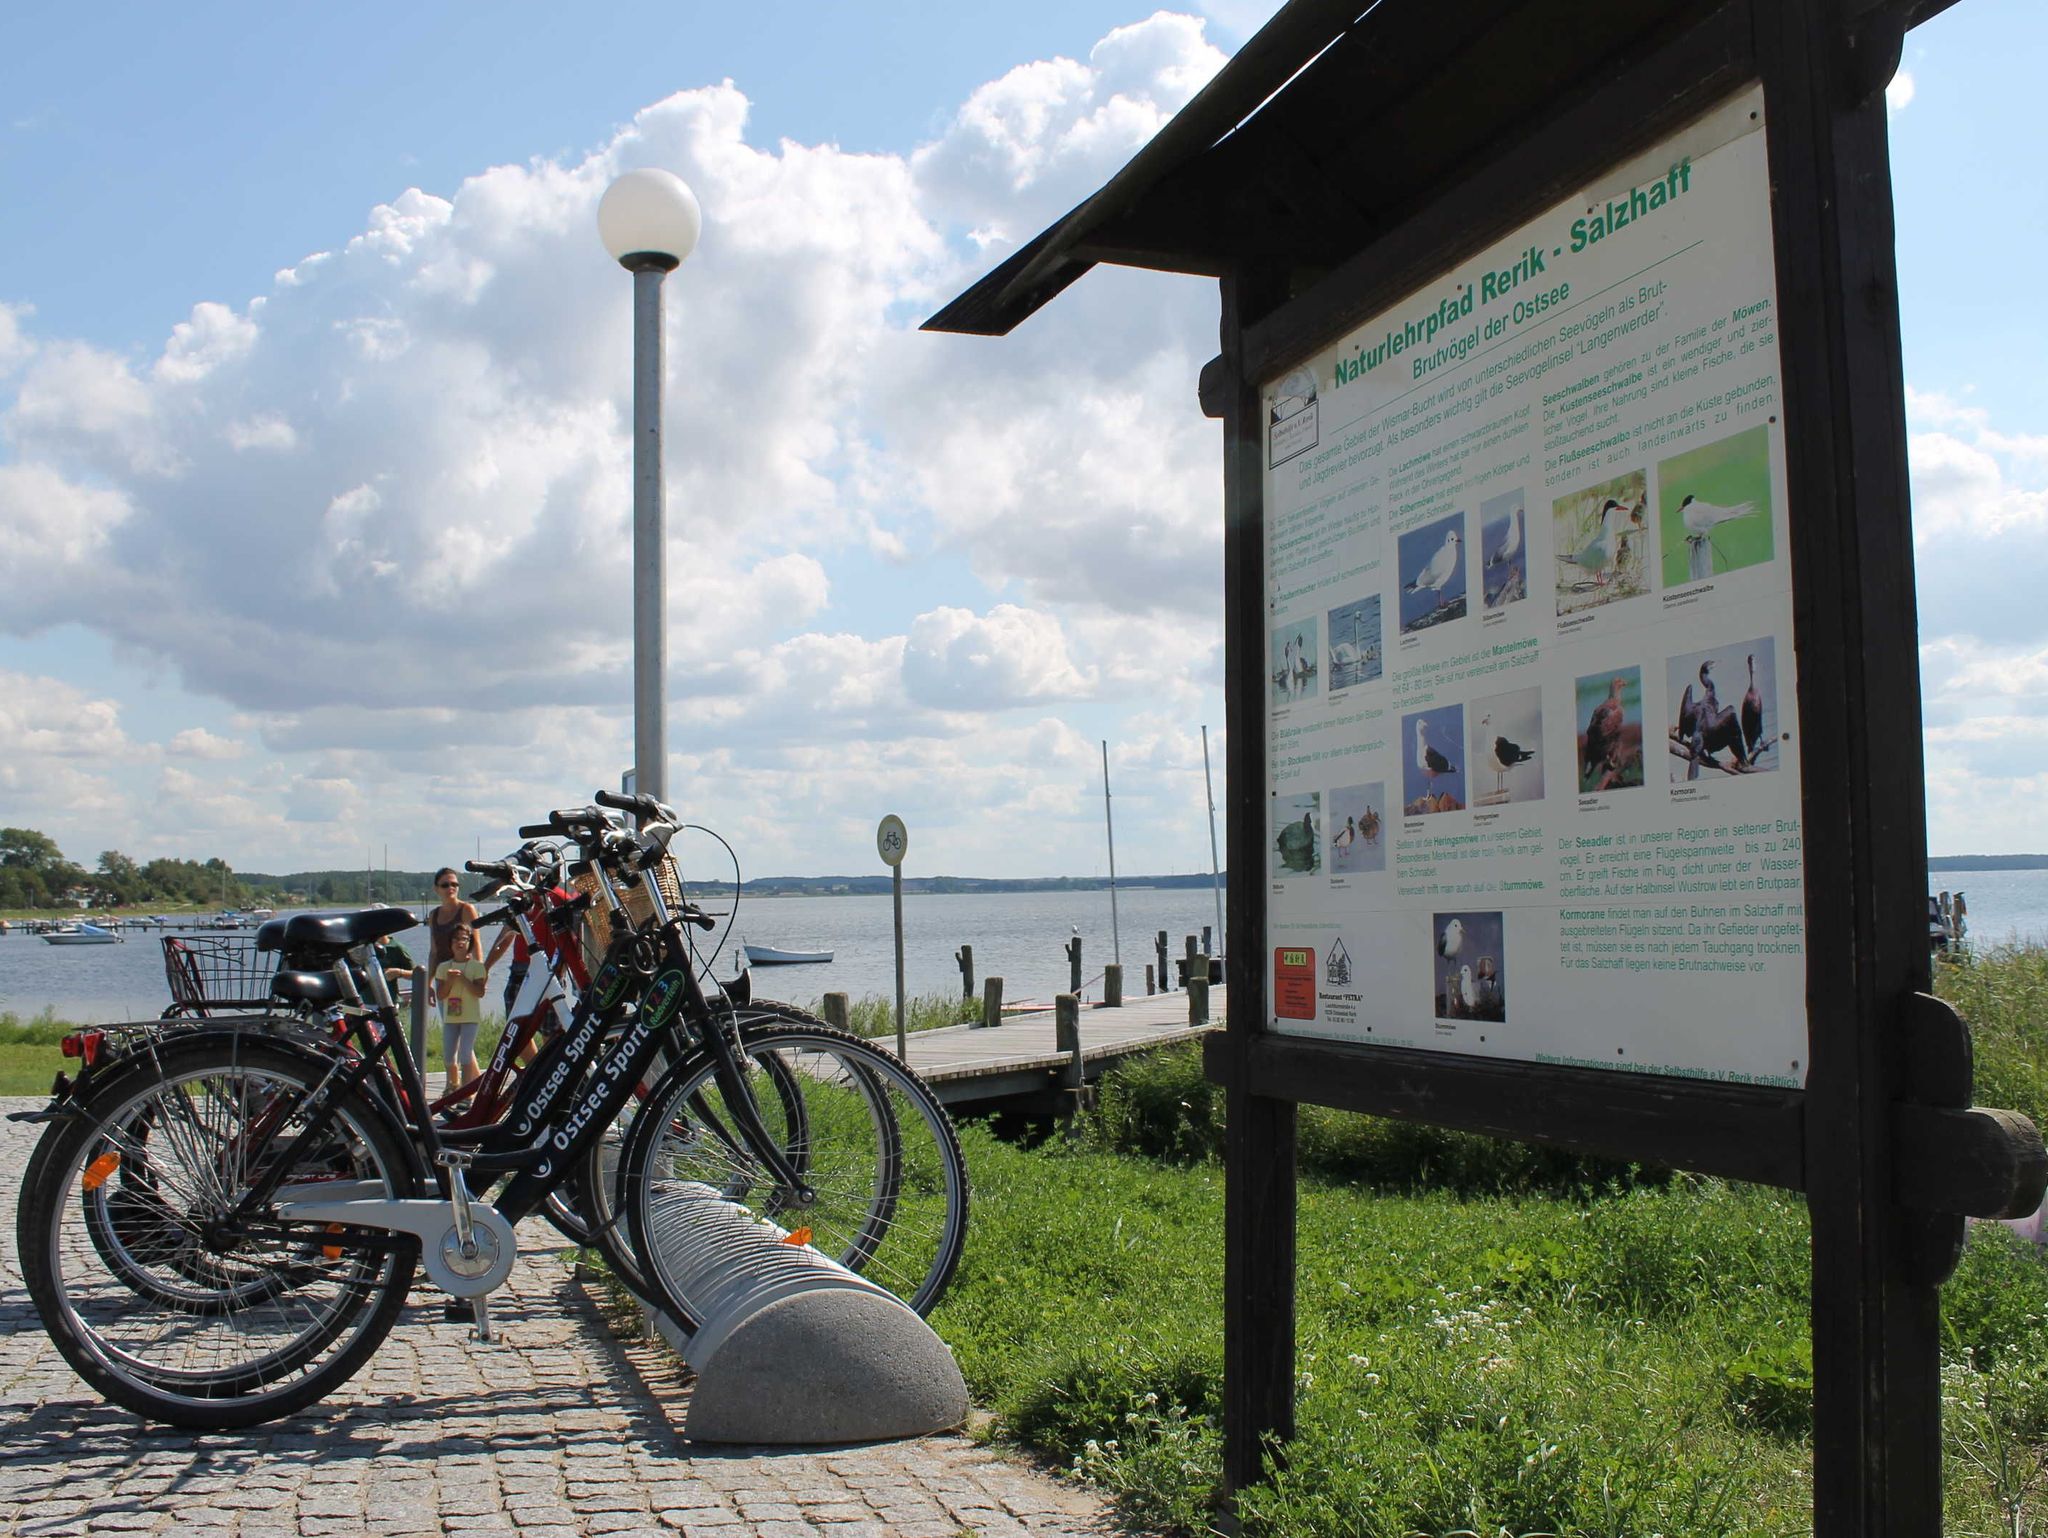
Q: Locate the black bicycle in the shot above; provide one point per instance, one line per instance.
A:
(222, 1226)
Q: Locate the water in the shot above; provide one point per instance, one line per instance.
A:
(1018, 936)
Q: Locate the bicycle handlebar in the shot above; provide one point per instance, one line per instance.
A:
(502, 869)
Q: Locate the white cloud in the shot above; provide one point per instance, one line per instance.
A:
(1899, 94)
(383, 512)
(198, 742)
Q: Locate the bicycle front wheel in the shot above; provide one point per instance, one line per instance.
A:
(884, 1188)
(154, 1294)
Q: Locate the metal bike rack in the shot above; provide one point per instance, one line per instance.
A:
(794, 1349)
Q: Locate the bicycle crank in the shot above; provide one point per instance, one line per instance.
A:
(464, 1266)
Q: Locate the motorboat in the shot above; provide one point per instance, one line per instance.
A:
(776, 956)
(81, 934)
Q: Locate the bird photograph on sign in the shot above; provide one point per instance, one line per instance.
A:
(1714, 508)
(1610, 737)
(1602, 536)
(1433, 763)
(1471, 966)
(1432, 562)
(1726, 714)
(1355, 655)
(1297, 835)
(1504, 551)
(1294, 661)
(1356, 816)
(1506, 750)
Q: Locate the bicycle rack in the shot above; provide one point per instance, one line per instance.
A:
(794, 1348)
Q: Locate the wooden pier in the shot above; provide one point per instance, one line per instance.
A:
(1018, 1064)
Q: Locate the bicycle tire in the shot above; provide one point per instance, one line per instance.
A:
(222, 1363)
(880, 1151)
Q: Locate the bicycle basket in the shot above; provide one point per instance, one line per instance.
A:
(217, 972)
(597, 918)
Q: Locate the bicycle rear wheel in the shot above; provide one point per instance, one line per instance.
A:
(889, 1186)
(151, 1296)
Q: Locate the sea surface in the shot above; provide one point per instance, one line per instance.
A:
(1018, 936)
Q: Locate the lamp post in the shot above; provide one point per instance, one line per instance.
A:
(649, 221)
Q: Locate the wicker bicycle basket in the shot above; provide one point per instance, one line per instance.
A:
(597, 918)
(217, 972)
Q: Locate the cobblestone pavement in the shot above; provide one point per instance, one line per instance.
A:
(577, 1433)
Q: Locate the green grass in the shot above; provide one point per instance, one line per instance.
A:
(876, 1015)
(1492, 1341)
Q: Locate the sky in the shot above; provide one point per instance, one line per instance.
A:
(315, 471)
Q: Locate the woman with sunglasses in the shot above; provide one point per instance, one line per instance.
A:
(456, 972)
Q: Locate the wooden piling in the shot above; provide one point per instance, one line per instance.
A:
(1113, 986)
(1074, 965)
(838, 1011)
(1165, 974)
(965, 956)
(1067, 1042)
(1193, 955)
(1198, 997)
(1151, 983)
(992, 1001)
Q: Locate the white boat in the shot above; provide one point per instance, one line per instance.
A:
(775, 956)
(81, 934)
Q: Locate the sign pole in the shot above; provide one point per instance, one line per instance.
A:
(892, 840)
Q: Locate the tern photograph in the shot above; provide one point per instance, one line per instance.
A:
(1602, 543)
(1469, 962)
(1724, 705)
(1357, 816)
(1610, 730)
(1504, 551)
(1297, 835)
(1714, 508)
(1355, 643)
(1433, 761)
(1295, 660)
(1432, 566)
(1506, 751)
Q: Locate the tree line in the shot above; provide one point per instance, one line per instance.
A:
(34, 873)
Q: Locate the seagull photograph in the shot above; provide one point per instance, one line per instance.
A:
(1725, 720)
(1507, 747)
(1432, 773)
(1470, 966)
(1610, 716)
(1355, 656)
(1714, 508)
(1601, 534)
(1431, 558)
(1355, 847)
(1504, 573)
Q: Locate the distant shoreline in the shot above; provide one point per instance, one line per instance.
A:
(1946, 862)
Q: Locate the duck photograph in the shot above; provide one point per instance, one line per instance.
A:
(1432, 565)
(1610, 736)
(1506, 750)
(1714, 508)
(1357, 813)
(1297, 835)
(1503, 551)
(1725, 711)
(1602, 538)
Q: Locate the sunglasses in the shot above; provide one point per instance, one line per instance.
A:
(448, 883)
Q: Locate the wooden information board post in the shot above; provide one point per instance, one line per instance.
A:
(1570, 624)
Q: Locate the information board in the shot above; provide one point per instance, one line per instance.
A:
(1533, 760)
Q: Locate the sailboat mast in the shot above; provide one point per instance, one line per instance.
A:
(1215, 869)
(1116, 938)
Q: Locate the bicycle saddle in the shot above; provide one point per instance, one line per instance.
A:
(318, 989)
(340, 931)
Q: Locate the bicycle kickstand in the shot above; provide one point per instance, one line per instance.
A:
(456, 1162)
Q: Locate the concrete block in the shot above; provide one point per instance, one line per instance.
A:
(823, 1366)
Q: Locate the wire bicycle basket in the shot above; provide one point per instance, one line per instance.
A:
(216, 972)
